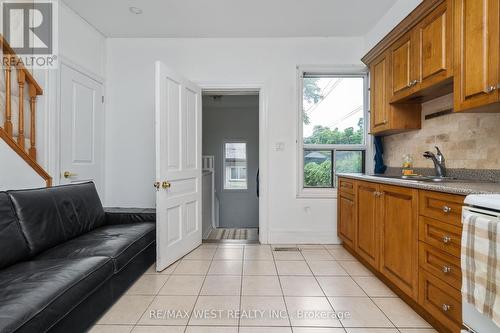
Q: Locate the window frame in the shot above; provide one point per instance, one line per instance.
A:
(224, 166)
(343, 71)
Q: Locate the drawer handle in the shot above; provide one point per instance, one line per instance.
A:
(446, 239)
(446, 269)
(446, 307)
(446, 209)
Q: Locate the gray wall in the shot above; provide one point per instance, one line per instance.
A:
(233, 118)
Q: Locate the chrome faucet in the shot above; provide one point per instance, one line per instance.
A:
(439, 162)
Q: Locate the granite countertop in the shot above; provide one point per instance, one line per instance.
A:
(457, 187)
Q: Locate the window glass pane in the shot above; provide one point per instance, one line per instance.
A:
(235, 164)
(317, 168)
(333, 110)
(348, 161)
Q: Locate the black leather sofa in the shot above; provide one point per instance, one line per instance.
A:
(64, 260)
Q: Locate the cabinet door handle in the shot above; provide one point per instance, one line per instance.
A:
(446, 269)
(491, 89)
(446, 239)
(446, 307)
(446, 209)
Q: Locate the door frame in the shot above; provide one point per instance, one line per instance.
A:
(257, 87)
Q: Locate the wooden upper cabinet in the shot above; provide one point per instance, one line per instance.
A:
(399, 237)
(477, 50)
(367, 241)
(378, 92)
(434, 47)
(403, 64)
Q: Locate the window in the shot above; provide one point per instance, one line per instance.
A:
(235, 166)
(332, 128)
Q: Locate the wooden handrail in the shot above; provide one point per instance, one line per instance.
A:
(32, 163)
(26, 84)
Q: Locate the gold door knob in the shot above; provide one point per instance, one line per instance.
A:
(68, 174)
(166, 185)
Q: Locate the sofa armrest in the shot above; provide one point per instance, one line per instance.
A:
(129, 215)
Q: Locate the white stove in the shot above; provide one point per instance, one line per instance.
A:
(486, 205)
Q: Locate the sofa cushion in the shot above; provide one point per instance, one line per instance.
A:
(13, 246)
(50, 216)
(34, 295)
(120, 242)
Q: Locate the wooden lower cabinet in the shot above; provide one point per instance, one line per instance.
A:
(411, 239)
(367, 240)
(399, 237)
(347, 219)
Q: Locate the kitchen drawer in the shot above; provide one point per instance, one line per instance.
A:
(346, 185)
(442, 265)
(443, 236)
(441, 206)
(441, 300)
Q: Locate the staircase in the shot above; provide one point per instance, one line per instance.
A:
(18, 94)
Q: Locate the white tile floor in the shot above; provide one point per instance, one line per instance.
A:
(275, 292)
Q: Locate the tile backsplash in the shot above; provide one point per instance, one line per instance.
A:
(467, 140)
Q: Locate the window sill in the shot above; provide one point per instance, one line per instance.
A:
(307, 193)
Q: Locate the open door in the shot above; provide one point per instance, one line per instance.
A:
(178, 166)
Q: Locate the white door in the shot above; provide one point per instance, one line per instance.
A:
(82, 125)
(178, 166)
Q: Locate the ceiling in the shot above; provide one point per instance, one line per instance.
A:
(232, 18)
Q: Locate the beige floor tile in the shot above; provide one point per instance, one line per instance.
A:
(293, 268)
(263, 311)
(192, 267)
(201, 254)
(226, 307)
(225, 267)
(315, 255)
(333, 246)
(300, 286)
(372, 330)
(231, 246)
(158, 329)
(208, 245)
(303, 312)
(127, 310)
(229, 254)
(221, 285)
(355, 268)
(400, 313)
(169, 270)
(261, 286)
(265, 330)
(148, 284)
(273, 246)
(329, 268)
(288, 255)
(182, 285)
(211, 329)
(363, 312)
(157, 313)
(340, 253)
(373, 286)
(417, 330)
(259, 267)
(311, 246)
(317, 330)
(258, 253)
(110, 329)
(340, 286)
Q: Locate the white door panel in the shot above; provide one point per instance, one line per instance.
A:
(82, 124)
(178, 162)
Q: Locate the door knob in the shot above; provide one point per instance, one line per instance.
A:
(157, 185)
(166, 185)
(446, 239)
(68, 174)
(491, 89)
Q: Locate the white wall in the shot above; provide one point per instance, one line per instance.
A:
(15, 173)
(394, 15)
(272, 62)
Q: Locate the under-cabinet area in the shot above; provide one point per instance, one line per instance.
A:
(410, 238)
